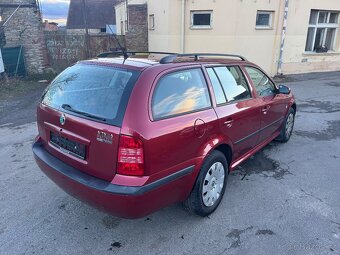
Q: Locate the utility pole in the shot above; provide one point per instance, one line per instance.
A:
(127, 15)
(283, 37)
(87, 43)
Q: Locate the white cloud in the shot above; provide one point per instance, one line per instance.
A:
(55, 10)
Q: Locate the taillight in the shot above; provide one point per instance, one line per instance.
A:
(130, 156)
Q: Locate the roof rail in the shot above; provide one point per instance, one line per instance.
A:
(173, 57)
(131, 53)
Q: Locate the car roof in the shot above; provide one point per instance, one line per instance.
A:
(145, 63)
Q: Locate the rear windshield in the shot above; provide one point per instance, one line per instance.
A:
(95, 92)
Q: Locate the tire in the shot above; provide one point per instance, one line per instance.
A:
(287, 127)
(207, 192)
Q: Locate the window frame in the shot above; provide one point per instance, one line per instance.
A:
(152, 24)
(224, 93)
(173, 71)
(252, 83)
(326, 26)
(271, 19)
(193, 26)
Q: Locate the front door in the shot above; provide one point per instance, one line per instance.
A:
(273, 104)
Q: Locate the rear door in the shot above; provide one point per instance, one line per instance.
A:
(236, 108)
(273, 105)
(80, 116)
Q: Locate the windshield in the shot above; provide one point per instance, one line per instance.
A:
(99, 91)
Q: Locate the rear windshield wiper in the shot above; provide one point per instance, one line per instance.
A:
(69, 108)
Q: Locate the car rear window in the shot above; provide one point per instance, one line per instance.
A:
(180, 93)
(98, 91)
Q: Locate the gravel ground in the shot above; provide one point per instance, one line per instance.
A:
(284, 200)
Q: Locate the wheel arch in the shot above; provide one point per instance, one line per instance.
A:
(294, 107)
(226, 150)
(222, 144)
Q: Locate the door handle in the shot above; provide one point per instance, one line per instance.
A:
(266, 109)
(229, 123)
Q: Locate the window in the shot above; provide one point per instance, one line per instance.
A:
(103, 30)
(229, 84)
(218, 91)
(264, 19)
(263, 85)
(201, 19)
(322, 31)
(179, 93)
(152, 22)
(96, 90)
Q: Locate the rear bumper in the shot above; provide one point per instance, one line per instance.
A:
(121, 201)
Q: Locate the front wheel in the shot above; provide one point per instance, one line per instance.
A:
(287, 128)
(210, 185)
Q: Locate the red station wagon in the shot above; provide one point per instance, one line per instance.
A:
(130, 136)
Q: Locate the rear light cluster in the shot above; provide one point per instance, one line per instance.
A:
(130, 156)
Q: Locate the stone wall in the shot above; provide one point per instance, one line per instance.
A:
(65, 49)
(137, 35)
(25, 28)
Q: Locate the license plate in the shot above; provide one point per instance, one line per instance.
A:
(68, 146)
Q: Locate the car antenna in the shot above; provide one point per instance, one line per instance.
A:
(126, 56)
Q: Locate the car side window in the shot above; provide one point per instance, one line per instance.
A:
(179, 93)
(232, 81)
(218, 91)
(263, 85)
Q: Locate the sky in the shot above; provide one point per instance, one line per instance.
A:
(55, 10)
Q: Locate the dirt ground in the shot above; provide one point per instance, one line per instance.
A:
(18, 101)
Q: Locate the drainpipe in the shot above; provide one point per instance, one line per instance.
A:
(283, 37)
(183, 27)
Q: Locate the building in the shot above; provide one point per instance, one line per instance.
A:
(132, 22)
(50, 26)
(23, 28)
(99, 16)
(310, 42)
(121, 10)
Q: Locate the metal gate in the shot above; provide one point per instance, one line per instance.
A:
(13, 58)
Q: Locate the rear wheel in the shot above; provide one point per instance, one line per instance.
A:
(210, 185)
(287, 128)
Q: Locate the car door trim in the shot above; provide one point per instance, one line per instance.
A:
(258, 131)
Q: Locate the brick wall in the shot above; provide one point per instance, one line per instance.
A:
(137, 35)
(64, 49)
(25, 28)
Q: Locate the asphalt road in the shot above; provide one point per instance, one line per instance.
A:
(284, 200)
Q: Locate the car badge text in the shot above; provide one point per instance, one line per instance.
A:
(104, 137)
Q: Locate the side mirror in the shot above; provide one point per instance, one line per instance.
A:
(284, 90)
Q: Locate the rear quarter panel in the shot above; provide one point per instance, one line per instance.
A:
(172, 144)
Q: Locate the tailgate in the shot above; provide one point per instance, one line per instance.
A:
(86, 145)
